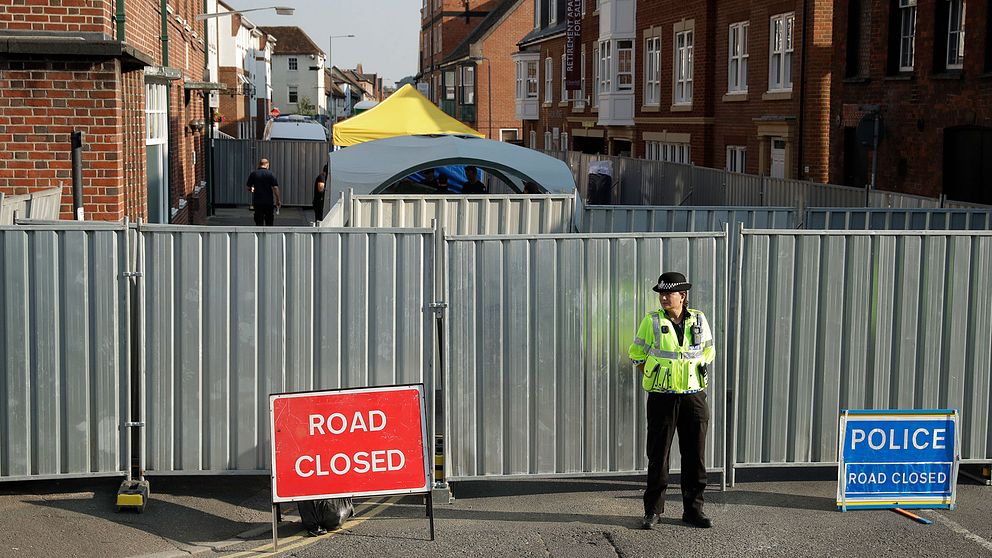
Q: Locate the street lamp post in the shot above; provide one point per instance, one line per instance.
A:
(207, 111)
(489, 87)
(280, 10)
(330, 45)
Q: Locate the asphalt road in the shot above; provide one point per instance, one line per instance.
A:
(230, 516)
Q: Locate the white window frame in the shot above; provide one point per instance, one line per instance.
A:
(652, 69)
(682, 67)
(907, 36)
(624, 78)
(605, 66)
(521, 80)
(737, 57)
(537, 14)
(549, 70)
(580, 101)
(293, 63)
(467, 83)
(736, 158)
(532, 81)
(781, 33)
(595, 76)
(954, 57)
(564, 89)
(552, 12)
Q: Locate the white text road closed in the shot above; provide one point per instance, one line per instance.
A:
(352, 442)
(897, 459)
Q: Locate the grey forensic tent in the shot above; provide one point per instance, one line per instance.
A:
(371, 167)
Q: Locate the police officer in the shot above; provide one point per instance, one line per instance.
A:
(672, 349)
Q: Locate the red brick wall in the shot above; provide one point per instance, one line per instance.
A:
(135, 171)
(713, 123)
(41, 104)
(74, 16)
(498, 48)
(916, 108)
(43, 99)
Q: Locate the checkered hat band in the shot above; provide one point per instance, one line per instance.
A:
(673, 286)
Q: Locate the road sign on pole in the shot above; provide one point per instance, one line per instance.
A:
(898, 459)
(349, 442)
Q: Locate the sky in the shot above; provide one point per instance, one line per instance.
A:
(387, 32)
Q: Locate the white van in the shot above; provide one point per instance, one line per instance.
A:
(294, 128)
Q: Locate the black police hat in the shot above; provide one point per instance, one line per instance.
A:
(671, 282)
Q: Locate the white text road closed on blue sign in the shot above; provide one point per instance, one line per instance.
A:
(898, 459)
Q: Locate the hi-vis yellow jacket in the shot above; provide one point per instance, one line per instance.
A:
(669, 367)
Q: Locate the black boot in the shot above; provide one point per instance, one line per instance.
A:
(697, 519)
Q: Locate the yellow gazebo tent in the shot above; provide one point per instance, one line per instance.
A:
(403, 113)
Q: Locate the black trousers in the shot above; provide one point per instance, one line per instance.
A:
(264, 215)
(318, 209)
(689, 415)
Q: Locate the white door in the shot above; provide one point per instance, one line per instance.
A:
(157, 151)
(778, 158)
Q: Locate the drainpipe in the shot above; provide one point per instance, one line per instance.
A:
(208, 117)
(120, 20)
(802, 92)
(165, 63)
(77, 175)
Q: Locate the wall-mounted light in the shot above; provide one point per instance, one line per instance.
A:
(196, 124)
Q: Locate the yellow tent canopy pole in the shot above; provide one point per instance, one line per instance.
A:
(404, 113)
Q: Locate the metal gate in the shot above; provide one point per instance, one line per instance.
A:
(537, 377)
(64, 350)
(294, 163)
(234, 314)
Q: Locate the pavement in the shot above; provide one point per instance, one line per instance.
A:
(589, 517)
(242, 217)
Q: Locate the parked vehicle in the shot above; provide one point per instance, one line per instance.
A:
(295, 127)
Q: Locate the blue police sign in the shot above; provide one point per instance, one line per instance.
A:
(898, 459)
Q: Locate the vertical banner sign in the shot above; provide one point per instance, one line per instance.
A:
(573, 43)
(350, 442)
(898, 459)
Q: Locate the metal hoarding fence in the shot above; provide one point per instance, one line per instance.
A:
(497, 214)
(842, 218)
(858, 320)
(538, 381)
(295, 164)
(233, 314)
(64, 350)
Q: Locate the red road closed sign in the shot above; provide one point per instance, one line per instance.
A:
(352, 442)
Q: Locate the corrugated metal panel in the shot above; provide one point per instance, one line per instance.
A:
(708, 186)
(898, 219)
(235, 314)
(63, 351)
(883, 199)
(294, 163)
(460, 215)
(625, 219)
(645, 182)
(833, 321)
(538, 379)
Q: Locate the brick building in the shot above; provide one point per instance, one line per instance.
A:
(486, 53)
(729, 84)
(444, 24)
(132, 82)
(925, 68)
(245, 67)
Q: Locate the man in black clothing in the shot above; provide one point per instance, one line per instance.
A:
(265, 196)
(318, 195)
(474, 186)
